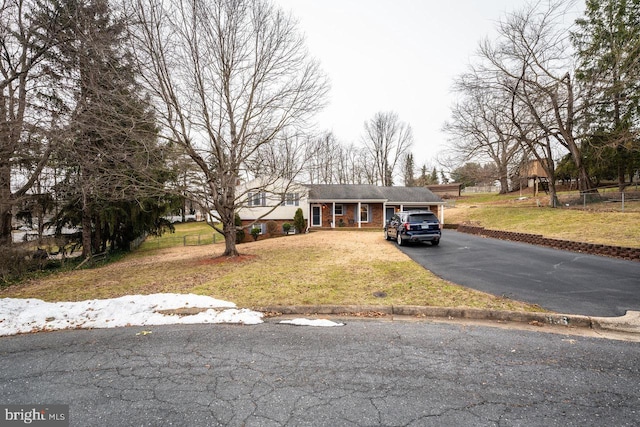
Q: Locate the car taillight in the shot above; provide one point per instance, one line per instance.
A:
(407, 226)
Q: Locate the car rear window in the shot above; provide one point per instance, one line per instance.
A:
(422, 217)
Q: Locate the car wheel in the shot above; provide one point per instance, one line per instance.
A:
(399, 239)
(435, 242)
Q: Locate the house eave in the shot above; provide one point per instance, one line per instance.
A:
(348, 201)
(421, 203)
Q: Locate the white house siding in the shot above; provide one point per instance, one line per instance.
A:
(270, 206)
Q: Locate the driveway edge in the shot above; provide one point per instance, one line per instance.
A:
(621, 252)
(629, 323)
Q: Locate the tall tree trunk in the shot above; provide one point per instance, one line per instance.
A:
(5, 205)
(229, 231)
(97, 236)
(550, 168)
(622, 166)
(86, 229)
(230, 249)
(503, 178)
(504, 184)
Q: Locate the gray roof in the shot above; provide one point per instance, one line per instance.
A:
(372, 193)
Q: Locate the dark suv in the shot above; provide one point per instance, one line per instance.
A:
(413, 226)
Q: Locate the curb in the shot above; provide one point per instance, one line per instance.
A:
(629, 323)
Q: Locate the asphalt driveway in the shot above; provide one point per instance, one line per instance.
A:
(561, 281)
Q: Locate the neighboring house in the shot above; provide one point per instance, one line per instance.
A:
(330, 206)
(446, 190)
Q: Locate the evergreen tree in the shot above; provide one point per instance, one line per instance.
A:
(409, 180)
(114, 167)
(299, 223)
(608, 47)
(433, 179)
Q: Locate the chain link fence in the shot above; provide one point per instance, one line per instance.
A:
(603, 199)
(152, 243)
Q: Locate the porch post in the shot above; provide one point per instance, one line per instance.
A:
(359, 215)
(333, 215)
(441, 215)
(384, 214)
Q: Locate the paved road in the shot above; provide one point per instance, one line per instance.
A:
(363, 374)
(561, 281)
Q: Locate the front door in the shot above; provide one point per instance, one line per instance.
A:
(389, 211)
(316, 216)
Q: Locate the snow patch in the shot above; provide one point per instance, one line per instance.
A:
(309, 322)
(32, 315)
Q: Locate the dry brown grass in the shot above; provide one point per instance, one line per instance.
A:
(592, 225)
(329, 267)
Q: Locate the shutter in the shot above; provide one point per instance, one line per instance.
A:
(250, 200)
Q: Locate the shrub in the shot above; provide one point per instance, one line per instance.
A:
(16, 262)
(255, 232)
(239, 230)
(298, 221)
(286, 227)
(13, 262)
(272, 227)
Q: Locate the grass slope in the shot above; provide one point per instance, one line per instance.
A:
(598, 223)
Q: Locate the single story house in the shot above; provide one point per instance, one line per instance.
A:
(331, 205)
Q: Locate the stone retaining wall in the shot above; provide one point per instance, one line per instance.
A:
(632, 254)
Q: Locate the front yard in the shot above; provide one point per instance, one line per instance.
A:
(325, 267)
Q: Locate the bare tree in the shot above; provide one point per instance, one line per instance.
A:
(386, 141)
(26, 32)
(534, 57)
(229, 77)
(323, 166)
(352, 167)
(481, 126)
(286, 156)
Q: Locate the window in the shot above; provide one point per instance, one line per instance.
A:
(262, 226)
(364, 212)
(292, 199)
(257, 199)
(338, 210)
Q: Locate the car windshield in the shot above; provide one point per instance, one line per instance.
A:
(426, 217)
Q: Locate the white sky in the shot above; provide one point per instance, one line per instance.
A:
(33, 315)
(399, 55)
